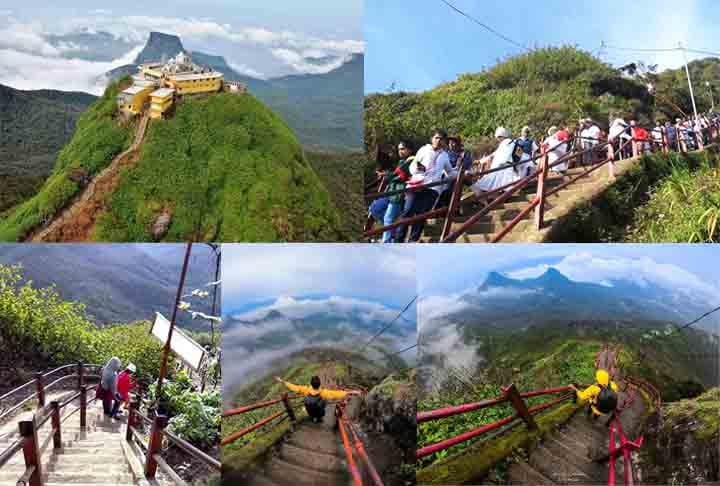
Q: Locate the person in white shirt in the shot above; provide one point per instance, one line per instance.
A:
(555, 149)
(618, 135)
(657, 135)
(593, 137)
(502, 156)
(436, 161)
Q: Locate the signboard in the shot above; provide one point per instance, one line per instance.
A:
(190, 352)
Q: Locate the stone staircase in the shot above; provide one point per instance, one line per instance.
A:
(94, 456)
(490, 225)
(564, 457)
(312, 455)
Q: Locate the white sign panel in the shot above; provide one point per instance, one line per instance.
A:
(183, 345)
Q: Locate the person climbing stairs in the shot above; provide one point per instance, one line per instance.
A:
(93, 456)
(577, 452)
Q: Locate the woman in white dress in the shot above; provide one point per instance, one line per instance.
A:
(555, 149)
(503, 155)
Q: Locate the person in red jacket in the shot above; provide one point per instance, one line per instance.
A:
(125, 384)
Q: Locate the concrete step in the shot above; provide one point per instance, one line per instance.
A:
(90, 474)
(521, 473)
(315, 437)
(304, 457)
(574, 456)
(556, 468)
(285, 473)
(258, 480)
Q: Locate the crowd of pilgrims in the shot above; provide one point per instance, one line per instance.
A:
(424, 181)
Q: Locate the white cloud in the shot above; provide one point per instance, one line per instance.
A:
(246, 70)
(23, 70)
(259, 272)
(644, 271)
(299, 62)
(28, 38)
(333, 306)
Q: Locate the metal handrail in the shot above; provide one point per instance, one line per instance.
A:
(15, 390)
(248, 408)
(522, 413)
(236, 435)
(194, 451)
(7, 454)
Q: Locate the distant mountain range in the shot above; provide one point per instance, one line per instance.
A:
(506, 302)
(34, 125)
(324, 110)
(290, 325)
(117, 283)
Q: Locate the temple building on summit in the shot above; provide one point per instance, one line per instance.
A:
(158, 85)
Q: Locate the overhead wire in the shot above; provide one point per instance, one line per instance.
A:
(695, 321)
(485, 26)
(385, 328)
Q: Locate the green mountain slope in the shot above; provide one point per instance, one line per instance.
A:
(34, 126)
(550, 86)
(227, 168)
(97, 139)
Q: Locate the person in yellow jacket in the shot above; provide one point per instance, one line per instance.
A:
(315, 397)
(602, 396)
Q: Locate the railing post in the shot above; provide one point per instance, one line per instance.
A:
(540, 208)
(454, 201)
(635, 149)
(83, 406)
(288, 408)
(611, 163)
(81, 375)
(30, 451)
(55, 421)
(40, 389)
(665, 144)
(154, 445)
(132, 418)
(519, 404)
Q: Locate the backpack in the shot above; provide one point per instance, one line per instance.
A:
(314, 402)
(607, 400)
(526, 145)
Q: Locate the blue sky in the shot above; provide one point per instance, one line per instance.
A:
(421, 44)
(469, 265)
(254, 275)
(258, 39)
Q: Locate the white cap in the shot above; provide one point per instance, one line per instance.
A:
(131, 368)
(502, 132)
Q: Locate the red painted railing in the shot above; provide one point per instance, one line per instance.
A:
(286, 413)
(28, 442)
(349, 431)
(511, 395)
(538, 204)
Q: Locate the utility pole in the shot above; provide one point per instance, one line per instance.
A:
(687, 71)
(712, 98)
(166, 349)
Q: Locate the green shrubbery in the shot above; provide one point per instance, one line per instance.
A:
(551, 86)
(194, 416)
(684, 208)
(39, 330)
(97, 140)
(227, 168)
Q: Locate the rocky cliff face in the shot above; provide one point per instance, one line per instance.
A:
(389, 423)
(681, 445)
(160, 45)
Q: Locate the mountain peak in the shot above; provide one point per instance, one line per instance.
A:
(552, 275)
(496, 279)
(158, 46)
